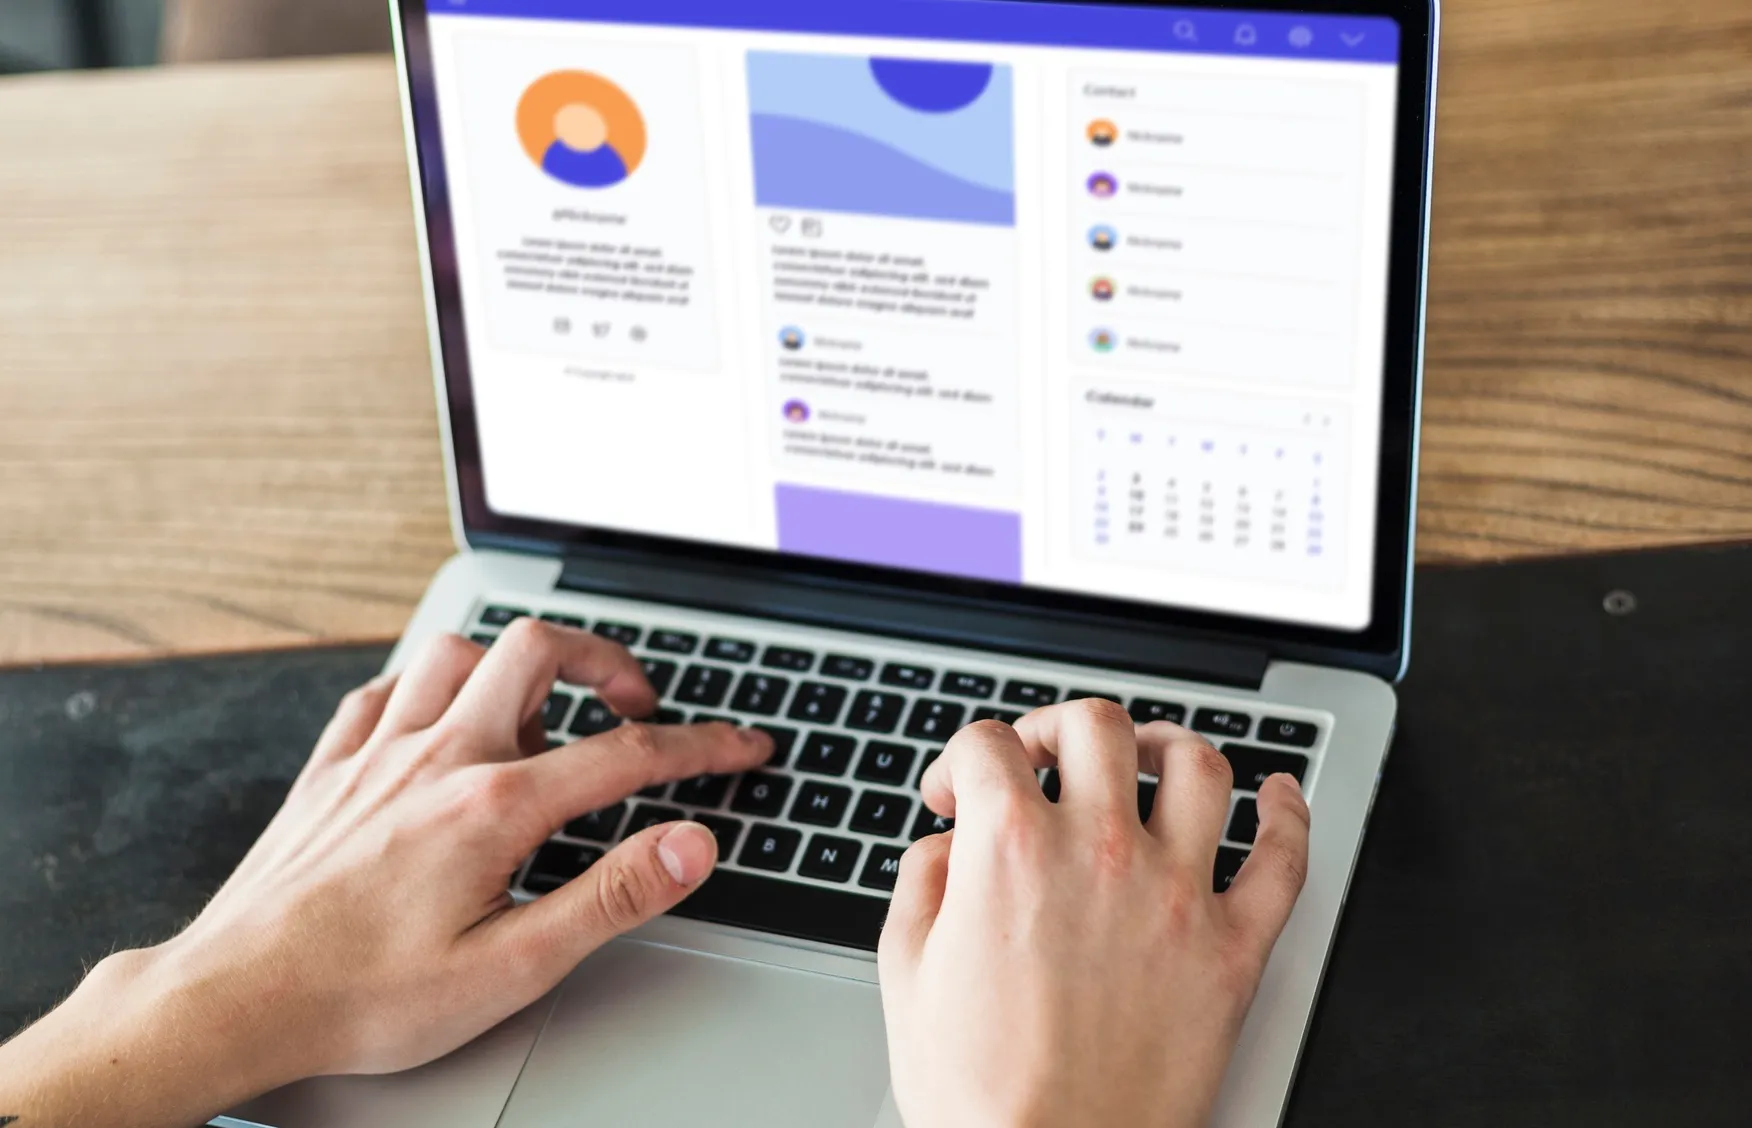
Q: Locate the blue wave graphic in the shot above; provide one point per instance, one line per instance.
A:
(814, 167)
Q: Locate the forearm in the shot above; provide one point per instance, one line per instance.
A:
(144, 1042)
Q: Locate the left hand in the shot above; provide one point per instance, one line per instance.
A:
(369, 930)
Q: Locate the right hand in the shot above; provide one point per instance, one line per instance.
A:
(1064, 964)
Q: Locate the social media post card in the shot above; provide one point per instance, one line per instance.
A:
(930, 415)
(587, 161)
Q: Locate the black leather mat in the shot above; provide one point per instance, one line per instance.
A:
(1551, 922)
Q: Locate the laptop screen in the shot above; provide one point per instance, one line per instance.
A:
(1080, 297)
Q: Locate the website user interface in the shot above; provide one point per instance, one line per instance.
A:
(1080, 297)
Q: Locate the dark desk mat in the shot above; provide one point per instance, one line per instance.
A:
(1551, 921)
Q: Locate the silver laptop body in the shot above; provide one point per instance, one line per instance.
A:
(629, 273)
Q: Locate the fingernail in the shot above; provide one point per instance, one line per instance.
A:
(755, 738)
(1295, 784)
(688, 852)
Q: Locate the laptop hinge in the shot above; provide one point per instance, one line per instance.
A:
(924, 617)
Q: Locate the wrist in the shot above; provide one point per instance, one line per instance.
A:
(149, 1038)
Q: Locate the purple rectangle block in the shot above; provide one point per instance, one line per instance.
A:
(926, 536)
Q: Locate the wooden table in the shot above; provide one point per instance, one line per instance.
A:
(216, 421)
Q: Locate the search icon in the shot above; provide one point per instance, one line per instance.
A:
(1183, 29)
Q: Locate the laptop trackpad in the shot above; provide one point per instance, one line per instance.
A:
(658, 1036)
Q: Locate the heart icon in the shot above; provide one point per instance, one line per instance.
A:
(781, 223)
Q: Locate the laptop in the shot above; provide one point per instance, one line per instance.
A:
(872, 367)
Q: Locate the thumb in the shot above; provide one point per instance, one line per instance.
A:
(642, 878)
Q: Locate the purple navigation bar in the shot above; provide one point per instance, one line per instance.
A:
(1190, 31)
(954, 540)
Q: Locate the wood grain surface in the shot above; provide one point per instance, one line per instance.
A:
(216, 420)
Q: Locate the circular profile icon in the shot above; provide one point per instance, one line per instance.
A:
(791, 337)
(1101, 289)
(1102, 186)
(1101, 340)
(1103, 237)
(796, 411)
(581, 129)
(1102, 133)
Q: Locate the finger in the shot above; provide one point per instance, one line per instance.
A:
(1263, 893)
(912, 910)
(1192, 800)
(1095, 744)
(516, 676)
(355, 719)
(984, 766)
(642, 878)
(430, 683)
(587, 775)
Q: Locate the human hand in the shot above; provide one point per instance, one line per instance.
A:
(1057, 964)
(369, 930)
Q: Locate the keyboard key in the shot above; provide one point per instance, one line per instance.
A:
(930, 822)
(935, 720)
(761, 694)
(821, 804)
(881, 812)
(817, 703)
(557, 863)
(1030, 695)
(1228, 865)
(659, 673)
(645, 817)
(783, 740)
(554, 742)
(598, 826)
(851, 669)
(826, 753)
(881, 868)
(909, 677)
(1145, 710)
(987, 713)
(1051, 786)
(501, 616)
(655, 791)
(669, 717)
(593, 717)
(704, 685)
(572, 621)
(553, 713)
(673, 642)
(729, 650)
(483, 639)
(788, 908)
(968, 685)
(1223, 722)
(875, 710)
(788, 658)
(883, 762)
(1086, 694)
(1244, 823)
(726, 831)
(829, 858)
(1297, 734)
(1253, 766)
(714, 719)
(702, 790)
(624, 633)
(930, 758)
(761, 794)
(770, 848)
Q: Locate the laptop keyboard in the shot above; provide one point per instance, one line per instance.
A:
(809, 845)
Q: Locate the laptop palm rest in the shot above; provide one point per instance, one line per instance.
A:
(658, 1036)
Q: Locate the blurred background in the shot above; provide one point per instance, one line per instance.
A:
(37, 35)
